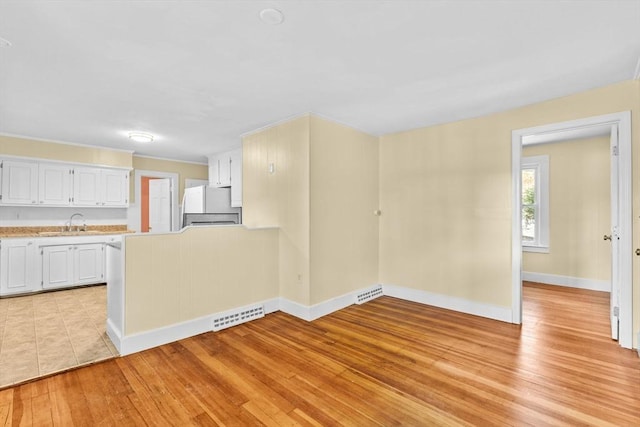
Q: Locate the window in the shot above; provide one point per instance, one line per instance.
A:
(535, 203)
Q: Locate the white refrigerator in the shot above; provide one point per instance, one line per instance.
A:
(208, 205)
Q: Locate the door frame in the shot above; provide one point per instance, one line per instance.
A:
(623, 121)
(136, 211)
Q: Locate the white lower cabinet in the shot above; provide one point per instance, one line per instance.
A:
(19, 261)
(57, 266)
(34, 264)
(72, 265)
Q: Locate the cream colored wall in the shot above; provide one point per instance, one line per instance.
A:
(171, 278)
(322, 196)
(25, 147)
(281, 198)
(343, 196)
(183, 169)
(580, 210)
(445, 193)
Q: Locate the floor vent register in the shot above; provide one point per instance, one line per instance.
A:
(236, 318)
(369, 294)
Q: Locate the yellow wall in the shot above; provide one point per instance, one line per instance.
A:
(321, 195)
(281, 198)
(579, 210)
(171, 278)
(25, 147)
(343, 197)
(445, 194)
(183, 169)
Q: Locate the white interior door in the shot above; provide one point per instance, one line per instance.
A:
(160, 205)
(615, 235)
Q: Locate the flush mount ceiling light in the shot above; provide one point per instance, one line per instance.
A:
(271, 16)
(141, 136)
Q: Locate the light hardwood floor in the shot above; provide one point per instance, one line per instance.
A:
(387, 362)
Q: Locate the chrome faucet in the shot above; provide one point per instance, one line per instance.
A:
(70, 224)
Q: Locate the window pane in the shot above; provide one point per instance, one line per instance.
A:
(528, 224)
(528, 186)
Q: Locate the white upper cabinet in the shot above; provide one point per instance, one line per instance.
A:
(236, 178)
(42, 183)
(54, 187)
(19, 182)
(220, 170)
(100, 187)
(115, 187)
(86, 187)
(225, 170)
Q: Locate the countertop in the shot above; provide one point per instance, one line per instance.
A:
(56, 231)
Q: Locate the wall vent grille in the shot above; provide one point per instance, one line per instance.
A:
(236, 318)
(369, 294)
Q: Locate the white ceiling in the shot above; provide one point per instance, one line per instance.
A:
(198, 74)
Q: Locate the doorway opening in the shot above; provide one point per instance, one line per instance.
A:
(618, 126)
(157, 201)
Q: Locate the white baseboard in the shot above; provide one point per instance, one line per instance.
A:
(451, 303)
(568, 281)
(156, 337)
(144, 340)
(115, 335)
(313, 312)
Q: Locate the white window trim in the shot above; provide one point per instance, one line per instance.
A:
(541, 165)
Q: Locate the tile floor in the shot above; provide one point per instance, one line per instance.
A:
(50, 332)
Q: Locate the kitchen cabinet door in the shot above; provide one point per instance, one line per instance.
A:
(54, 184)
(57, 266)
(225, 170)
(19, 182)
(115, 188)
(236, 178)
(88, 263)
(18, 266)
(220, 170)
(86, 186)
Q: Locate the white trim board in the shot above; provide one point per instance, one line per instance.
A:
(156, 337)
(623, 122)
(134, 215)
(450, 303)
(313, 312)
(568, 281)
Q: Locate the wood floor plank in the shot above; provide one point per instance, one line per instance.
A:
(386, 362)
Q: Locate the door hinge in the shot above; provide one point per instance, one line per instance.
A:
(616, 311)
(614, 150)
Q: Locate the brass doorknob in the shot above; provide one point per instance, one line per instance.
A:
(638, 252)
(607, 237)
